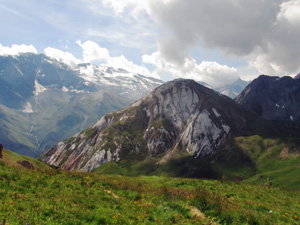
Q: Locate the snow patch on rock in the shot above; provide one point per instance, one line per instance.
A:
(216, 113)
(65, 89)
(203, 138)
(27, 108)
(38, 88)
(226, 128)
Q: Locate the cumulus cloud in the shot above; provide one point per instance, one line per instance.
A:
(65, 57)
(212, 73)
(17, 49)
(173, 56)
(280, 55)
(216, 74)
(235, 27)
(120, 6)
(124, 63)
(92, 52)
(264, 33)
(289, 11)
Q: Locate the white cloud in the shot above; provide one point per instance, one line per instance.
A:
(124, 63)
(120, 6)
(92, 52)
(65, 57)
(290, 11)
(17, 49)
(212, 73)
(130, 27)
(280, 55)
(263, 32)
(172, 56)
(215, 74)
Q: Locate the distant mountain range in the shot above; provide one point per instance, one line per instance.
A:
(43, 101)
(130, 85)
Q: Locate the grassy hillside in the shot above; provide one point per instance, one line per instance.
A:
(15, 161)
(253, 159)
(46, 196)
(277, 161)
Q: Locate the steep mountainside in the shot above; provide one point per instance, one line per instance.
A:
(27, 75)
(43, 101)
(53, 116)
(272, 98)
(14, 131)
(180, 118)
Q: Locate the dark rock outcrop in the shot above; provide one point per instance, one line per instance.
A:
(272, 98)
(26, 164)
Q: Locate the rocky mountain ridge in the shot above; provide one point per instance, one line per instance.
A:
(272, 98)
(180, 117)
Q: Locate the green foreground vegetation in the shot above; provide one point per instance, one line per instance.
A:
(46, 196)
(252, 159)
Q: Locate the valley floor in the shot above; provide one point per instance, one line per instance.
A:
(46, 196)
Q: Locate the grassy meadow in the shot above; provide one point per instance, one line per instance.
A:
(46, 196)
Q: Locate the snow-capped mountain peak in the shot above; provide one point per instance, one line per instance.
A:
(129, 84)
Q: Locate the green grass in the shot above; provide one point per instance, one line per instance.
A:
(277, 161)
(46, 196)
(12, 159)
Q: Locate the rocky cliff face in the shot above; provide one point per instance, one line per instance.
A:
(272, 98)
(179, 117)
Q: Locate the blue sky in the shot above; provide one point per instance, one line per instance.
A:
(212, 41)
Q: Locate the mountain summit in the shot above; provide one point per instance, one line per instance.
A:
(180, 117)
(272, 98)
